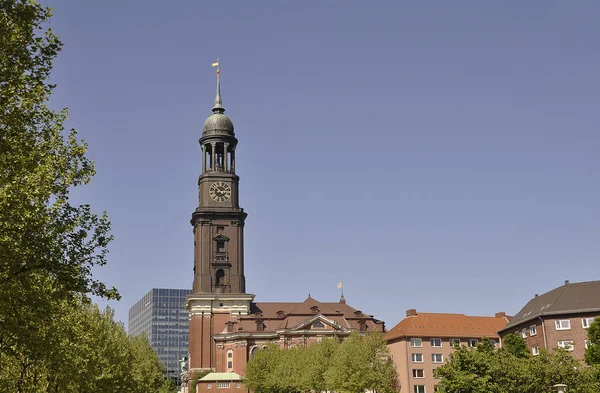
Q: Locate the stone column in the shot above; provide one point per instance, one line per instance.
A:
(213, 160)
(233, 160)
(225, 160)
(203, 158)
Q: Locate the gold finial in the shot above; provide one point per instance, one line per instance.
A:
(216, 64)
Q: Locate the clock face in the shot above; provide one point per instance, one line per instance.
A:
(220, 191)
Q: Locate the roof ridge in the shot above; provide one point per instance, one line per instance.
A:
(564, 288)
(479, 323)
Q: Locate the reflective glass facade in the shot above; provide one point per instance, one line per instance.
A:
(162, 316)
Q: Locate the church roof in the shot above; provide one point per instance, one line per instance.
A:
(277, 316)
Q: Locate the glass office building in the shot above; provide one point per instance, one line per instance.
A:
(162, 316)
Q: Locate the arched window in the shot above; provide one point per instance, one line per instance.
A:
(230, 360)
(253, 351)
(220, 278)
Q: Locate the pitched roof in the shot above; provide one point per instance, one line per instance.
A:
(276, 316)
(566, 299)
(230, 376)
(446, 325)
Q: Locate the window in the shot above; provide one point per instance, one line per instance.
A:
(238, 385)
(209, 385)
(436, 342)
(418, 373)
(220, 246)
(253, 351)
(229, 354)
(455, 341)
(524, 333)
(229, 365)
(493, 341)
(260, 326)
(223, 385)
(532, 330)
(586, 322)
(416, 342)
(419, 389)
(535, 350)
(563, 324)
(417, 358)
(318, 325)
(437, 358)
(229, 360)
(566, 344)
(473, 342)
(587, 343)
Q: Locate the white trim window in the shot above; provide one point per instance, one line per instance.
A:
(535, 350)
(454, 341)
(566, 344)
(417, 358)
(230, 360)
(437, 358)
(416, 342)
(223, 385)
(563, 324)
(436, 342)
(419, 388)
(532, 330)
(473, 342)
(586, 322)
(524, 333)
(418, 373)
(587, 343)
(209, 385)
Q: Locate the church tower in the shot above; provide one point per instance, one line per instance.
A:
(219, 287)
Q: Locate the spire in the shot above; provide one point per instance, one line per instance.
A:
(218, 108)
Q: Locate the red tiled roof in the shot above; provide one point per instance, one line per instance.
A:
(446, 325)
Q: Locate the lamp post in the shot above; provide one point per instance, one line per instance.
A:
(560, 387)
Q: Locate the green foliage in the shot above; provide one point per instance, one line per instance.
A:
(592, 353)
(195, 378)
(516, 345)
(86, 351)
(357, 364)
(509, 370)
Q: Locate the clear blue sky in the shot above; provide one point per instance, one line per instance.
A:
(443, 156)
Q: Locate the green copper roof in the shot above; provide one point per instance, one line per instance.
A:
(218, 377)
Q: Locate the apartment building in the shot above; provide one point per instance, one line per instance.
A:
(421, 342)
(558, 318)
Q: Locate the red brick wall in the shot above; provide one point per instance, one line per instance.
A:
(212, 387)
(576, 333)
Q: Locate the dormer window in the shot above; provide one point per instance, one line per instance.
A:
(314, 309)
(362, 325)
(230, 327)
(358, 313)
(280, 314)
(260, 326)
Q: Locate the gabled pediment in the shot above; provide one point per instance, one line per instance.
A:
(317, 322)
(221, 238)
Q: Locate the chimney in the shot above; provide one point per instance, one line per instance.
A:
(411, 312)
(501, 314)
(536, 295)
(566, 282)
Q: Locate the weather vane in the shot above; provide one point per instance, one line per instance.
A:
(216, 64)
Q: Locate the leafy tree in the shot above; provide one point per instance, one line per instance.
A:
(511, 371)
(592, 353)
(516, 345)
(46, 243)
(357, 364)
